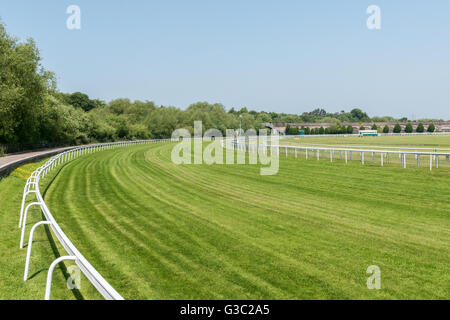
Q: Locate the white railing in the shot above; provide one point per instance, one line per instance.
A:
(399, 148)
(32, 187)
(345, 153)
(358, 135)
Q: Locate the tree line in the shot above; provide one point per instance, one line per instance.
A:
(340, 129)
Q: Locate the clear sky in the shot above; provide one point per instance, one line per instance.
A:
(283, 56)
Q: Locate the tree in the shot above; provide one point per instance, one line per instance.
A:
(81, 100)
(431, 128)
(287, 131)
(397, 128)
(420, 128)
(409, 128)
(386, 129)
(23, 86)
(374, 126)
(321, 130)
(362, 128)
(359, 115)
(350, 129)
(243, 110)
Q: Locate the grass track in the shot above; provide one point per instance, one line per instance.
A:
(160, 231)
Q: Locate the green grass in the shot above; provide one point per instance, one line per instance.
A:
(159, 231)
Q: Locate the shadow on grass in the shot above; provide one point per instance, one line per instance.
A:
(36, 273)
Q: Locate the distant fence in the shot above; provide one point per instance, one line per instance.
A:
(348, 154)
(357, 135)
(32, 187)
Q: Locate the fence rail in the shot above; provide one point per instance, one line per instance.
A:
(358, 135)
(32, 187)
(346, 154)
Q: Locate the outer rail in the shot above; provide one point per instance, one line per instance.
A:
(32, 186)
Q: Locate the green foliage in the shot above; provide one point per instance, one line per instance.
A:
(362, 128)
(321, 130)
(397, 128)
(288, 130)
(409, 128)
(80, 100)
(431, 128)
(23, 85)
(386, 129)
(382, 119)
(349, 129)
(374, 126)
(359, 115)
(420, 128)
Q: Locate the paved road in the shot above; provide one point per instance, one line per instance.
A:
(18, 158)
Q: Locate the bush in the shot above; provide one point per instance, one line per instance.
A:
(2, 151)
(349, 129)
(397, 128)
(420, 128)
(431, 128)
(321, 130)
(409, 128)
(362, 128)
(386, 129)
(374, 127)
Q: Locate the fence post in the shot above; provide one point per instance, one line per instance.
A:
(30, 244)
(50, 273)
(24, 222)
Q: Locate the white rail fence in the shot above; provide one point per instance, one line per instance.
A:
(357, 135)
(398, 148)
(32, 187)
(345, 154)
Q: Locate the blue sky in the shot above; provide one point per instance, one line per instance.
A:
(283, 56)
